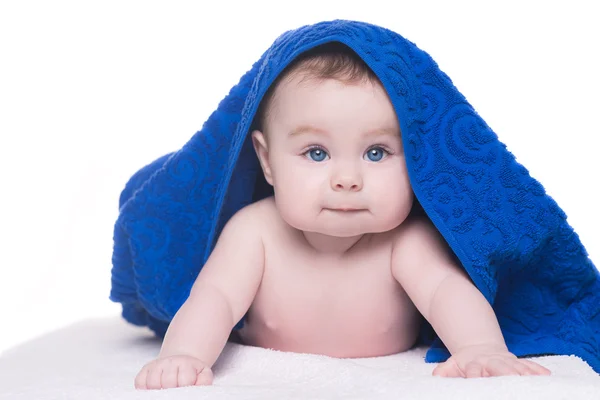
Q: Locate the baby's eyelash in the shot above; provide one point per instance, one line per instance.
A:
(384, 147)
(316, 146)
(313, 147)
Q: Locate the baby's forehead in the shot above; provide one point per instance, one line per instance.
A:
(301, 80)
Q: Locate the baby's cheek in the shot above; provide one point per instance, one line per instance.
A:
(294, 203)
(395, 203)
(290, 187)
(293, 211)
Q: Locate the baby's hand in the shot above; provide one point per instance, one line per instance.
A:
(483, 361)
(174, 371)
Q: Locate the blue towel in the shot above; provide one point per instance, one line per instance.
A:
(510, 236)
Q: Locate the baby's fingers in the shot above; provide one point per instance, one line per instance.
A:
(154, 377)
(169, 376)
(525, 367)
(140, 379)
(498, 367)
(187, 375)
(204, 377)
(474, 370)
(536, 368)
(522, 368)
(448, 369)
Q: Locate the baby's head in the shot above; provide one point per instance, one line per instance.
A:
(328, 139)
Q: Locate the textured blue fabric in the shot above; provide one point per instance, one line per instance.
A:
(510, 236)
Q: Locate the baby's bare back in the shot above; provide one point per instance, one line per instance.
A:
(307, 302)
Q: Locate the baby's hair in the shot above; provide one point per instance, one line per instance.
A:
(332, 60)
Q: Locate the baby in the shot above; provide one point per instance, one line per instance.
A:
(334, 263)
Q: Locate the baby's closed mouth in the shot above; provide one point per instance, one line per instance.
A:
(346, 209)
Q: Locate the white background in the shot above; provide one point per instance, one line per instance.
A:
(92, 91)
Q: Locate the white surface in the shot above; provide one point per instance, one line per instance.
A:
(98, 359)
(92, 91)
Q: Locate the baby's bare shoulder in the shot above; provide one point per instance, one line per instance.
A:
(414, 228)
(257, 218)
(417, 240)
(256, 211)
(261, 211)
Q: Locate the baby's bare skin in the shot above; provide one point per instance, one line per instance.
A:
(349, 305)
(340, 306)
(296, 298)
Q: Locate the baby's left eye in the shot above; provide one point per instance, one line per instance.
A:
(376, 153)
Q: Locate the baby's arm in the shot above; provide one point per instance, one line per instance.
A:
(220, 296)
(455, 308)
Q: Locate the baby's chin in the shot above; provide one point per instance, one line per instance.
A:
(342, 233)
(343, 225)
(349, 231)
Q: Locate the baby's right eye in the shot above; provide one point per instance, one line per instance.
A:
(316, 154)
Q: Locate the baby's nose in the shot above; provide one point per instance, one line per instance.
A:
(351, 183)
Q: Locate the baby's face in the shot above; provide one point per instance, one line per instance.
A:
(336, 159)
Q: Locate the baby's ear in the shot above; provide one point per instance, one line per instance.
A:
(262, 151)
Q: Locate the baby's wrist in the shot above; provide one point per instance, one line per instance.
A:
(168, 354)
(486, 347)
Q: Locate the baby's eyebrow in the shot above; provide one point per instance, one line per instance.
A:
(307, 129)
(385, 131)
(302, 129)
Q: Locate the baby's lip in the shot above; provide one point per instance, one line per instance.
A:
(345, 209)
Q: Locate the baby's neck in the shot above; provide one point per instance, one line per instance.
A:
(333, 245)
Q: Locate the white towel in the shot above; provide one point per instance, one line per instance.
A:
(98, 359)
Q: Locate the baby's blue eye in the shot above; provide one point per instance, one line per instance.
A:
(376, 153)
(317, 154)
